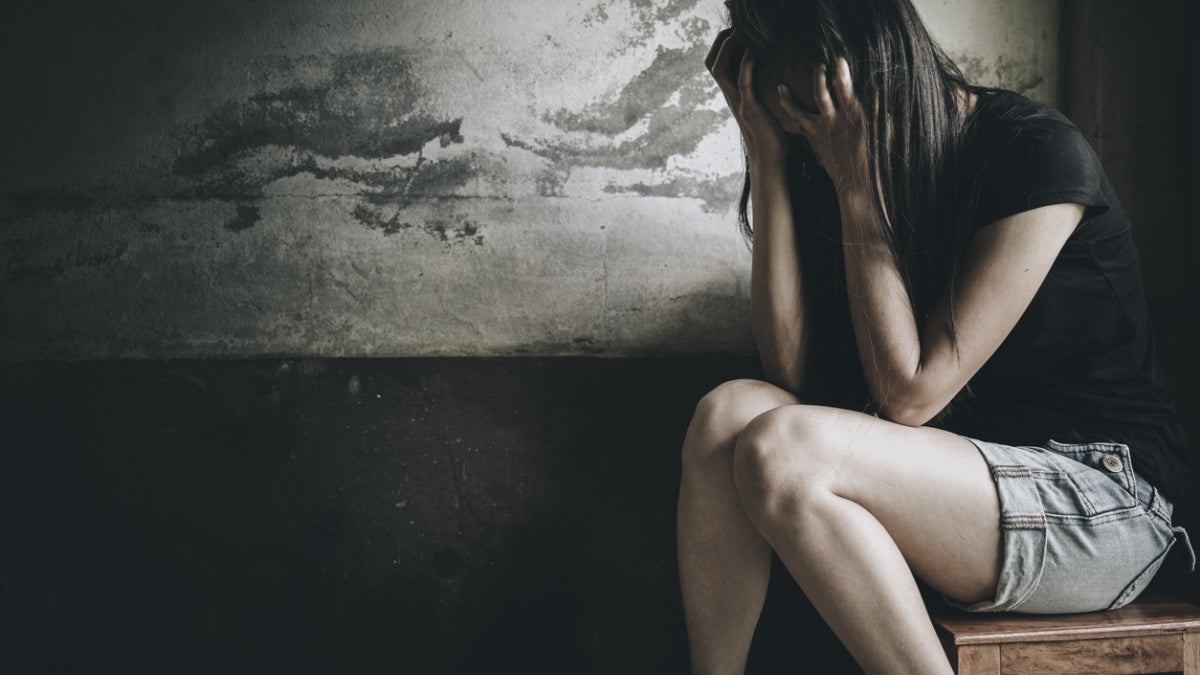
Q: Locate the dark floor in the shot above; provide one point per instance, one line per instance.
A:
(356, 516)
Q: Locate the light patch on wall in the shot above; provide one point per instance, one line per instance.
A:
(1023, 76)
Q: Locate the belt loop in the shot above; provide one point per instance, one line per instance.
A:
(1181, 535)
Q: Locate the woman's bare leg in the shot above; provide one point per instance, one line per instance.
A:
(724, 564)
(854, 506)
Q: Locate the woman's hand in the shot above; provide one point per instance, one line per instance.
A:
(837, 131)
(732, 66)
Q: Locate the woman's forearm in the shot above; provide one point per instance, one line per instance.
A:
(776, 291)
(914, 368)
(885, 329)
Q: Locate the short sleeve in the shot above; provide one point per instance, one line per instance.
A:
(1046, 161)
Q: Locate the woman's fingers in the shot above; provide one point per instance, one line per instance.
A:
(725, 71)
(796, 114)
(791, 106)
(711, 59)
(843, 85)
(821, 94)
(746, 77)
(724, 67)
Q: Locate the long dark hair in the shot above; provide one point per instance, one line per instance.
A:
(916, 124)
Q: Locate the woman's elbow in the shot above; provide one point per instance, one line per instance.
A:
(913, 401)
(910, 413)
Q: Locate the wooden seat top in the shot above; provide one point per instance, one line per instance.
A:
(1149, 615)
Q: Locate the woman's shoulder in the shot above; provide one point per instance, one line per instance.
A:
(1000, 111)
(1029, 154)
(1007, 125)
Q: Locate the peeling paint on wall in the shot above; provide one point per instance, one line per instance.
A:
(363, 106)
(659, 115)
(662, 113)
(359, 122)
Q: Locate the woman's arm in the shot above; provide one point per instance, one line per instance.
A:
(776, 305)
(914, 370)
(776, 286)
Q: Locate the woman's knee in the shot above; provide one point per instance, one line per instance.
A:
(723, 413)
(784, 458)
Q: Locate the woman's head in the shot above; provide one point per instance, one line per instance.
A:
(892, 57)
(784, 56)
(913, 96)
(773, 70)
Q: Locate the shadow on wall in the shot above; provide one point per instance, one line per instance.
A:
(416, 516)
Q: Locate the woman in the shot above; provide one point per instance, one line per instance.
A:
(948, 309)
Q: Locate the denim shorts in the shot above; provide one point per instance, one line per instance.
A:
(1080, 530)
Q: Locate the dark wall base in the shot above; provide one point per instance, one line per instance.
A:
(357, 516)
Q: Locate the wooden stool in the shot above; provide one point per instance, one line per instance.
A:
(1154, 634)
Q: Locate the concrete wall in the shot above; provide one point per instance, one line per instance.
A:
(378, 516)
(390, 178)
(242, 179)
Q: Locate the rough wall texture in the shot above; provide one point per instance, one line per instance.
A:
(390, 178)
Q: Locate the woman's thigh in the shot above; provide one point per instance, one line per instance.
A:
(930, 489)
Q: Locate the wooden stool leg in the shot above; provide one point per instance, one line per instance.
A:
(1191, 654)
(980, 660)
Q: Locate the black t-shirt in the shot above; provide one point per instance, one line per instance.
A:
(1080, 364)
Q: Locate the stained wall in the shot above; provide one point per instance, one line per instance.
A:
(390, 178)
